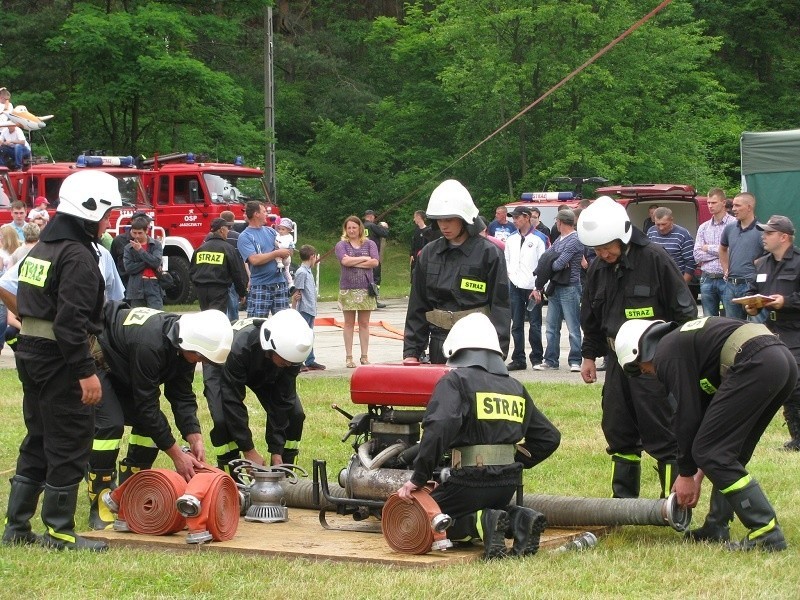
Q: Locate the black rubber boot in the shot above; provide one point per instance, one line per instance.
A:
(525, 527)
(99, 481)
(625, 477)
(792, 415)
(667, 474)
(756, 513)
(22, 502)
(58, 514)
(127, 468)
(493, 525)
(717, 527)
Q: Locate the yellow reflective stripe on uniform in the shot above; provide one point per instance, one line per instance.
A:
(64, 537)
(141, 440)
(225, 448)
(34, 271)
(138, 316)
(210, 258)
(694, 324)
(292, 444)
(738, 485)
(707, 386)
(479, 524)
(634, 458)
(762, 530)
(499, 407)
(105, 445)
(646, 312)
(242, 323)
(471, 285)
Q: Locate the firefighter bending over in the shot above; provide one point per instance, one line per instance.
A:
(490, 424)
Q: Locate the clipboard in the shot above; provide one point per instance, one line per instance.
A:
(757, 300)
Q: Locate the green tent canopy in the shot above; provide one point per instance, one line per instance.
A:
(771, 172)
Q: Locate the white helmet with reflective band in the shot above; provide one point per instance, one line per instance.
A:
(637, 340)
(208, 332)
(604, 221)
(89, 195)
(475, 331)
(451, 199)
(288, 335)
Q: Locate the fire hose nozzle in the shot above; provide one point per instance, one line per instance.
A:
(676, 515)
(188, 506)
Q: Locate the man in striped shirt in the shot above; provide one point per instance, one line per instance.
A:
(676, 240)
(706, 252)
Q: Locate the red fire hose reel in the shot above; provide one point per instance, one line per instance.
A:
(415, 527)
(160, 502)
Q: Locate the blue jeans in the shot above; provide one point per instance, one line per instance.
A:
(19, 152)
(310, 320)
(712, 291)
(564, 304)
(734, 290)
(519, 314)
(233, 304)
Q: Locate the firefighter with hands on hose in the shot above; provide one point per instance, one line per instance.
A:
(632, 278)
(143, 349)
(489, 422)
(729, 379)
(456, 275)
(778, 276)
(60, 301)
(266, 356)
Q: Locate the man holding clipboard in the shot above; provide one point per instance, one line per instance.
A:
(776, 289)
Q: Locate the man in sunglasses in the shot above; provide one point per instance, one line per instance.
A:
(728, 378)
(266, 356)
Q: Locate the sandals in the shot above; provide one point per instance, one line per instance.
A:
(349, 362)
(364, 359)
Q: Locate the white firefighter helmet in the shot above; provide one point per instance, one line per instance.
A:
(636, 342)
(89, 195)
(474, 331)
(208, 332)
(604, 221)
(288, 335)
(451, 199)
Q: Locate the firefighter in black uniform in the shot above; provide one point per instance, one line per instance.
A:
(266, 356)
(455, 275)
(778, 276)
(729, 378)
(478, 412)
(216, 265)
(143, 348)
(631, 278)
(60, 301)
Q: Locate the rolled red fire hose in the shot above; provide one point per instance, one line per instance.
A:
(414, 527)
(146, 502)
(211, 506)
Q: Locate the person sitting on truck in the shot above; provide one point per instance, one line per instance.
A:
(142, 261)
(14, 145)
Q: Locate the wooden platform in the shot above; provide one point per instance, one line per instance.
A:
(303, 537)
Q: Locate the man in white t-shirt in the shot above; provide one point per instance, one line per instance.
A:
(14, 145)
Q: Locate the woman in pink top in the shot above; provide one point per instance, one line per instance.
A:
(358, 255)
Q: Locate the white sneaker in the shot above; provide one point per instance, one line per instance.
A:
(575, 368)
(544, 367)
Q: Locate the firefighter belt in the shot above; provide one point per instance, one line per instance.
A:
(483, 455)
(733, 345)
(445, 319)
(40, 328)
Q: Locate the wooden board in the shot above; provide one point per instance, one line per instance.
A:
(302, 536)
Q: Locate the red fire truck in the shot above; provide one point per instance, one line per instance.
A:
(181, 192)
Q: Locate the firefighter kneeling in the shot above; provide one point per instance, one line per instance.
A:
(481, 415)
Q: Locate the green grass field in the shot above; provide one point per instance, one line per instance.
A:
(632, 562)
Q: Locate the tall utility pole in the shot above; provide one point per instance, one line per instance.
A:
(269, 106)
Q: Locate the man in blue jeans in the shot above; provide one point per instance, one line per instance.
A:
(522, 252)
(739, 246)
(706, 252)
(564, 300)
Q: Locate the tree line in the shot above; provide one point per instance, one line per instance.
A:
(375, 101)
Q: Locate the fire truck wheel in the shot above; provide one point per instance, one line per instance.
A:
(183, 291)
